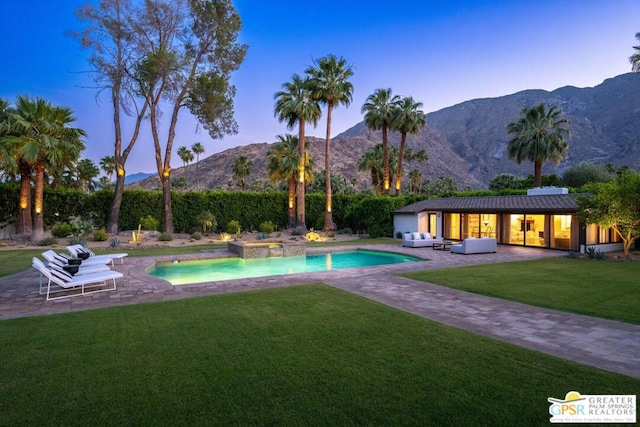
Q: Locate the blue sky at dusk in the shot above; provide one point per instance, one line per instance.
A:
(440, 52)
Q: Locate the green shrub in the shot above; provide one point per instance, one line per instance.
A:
(196, 235)
(100, 235)
(61, 229)
(267, 227)
(348, 231)
(233, 227)
(165, 237)
(331, 234)
(48, 241)
(149, 223)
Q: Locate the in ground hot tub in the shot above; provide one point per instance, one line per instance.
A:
(267, 249)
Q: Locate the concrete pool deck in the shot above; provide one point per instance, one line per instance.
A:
(609, 345)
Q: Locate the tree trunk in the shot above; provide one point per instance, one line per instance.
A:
(24, 223)
(403, 141)
(116, 203)
(166, 202)
(300, 217)
(291, 202)
(328, 215)
(385, 160)
(37, 234)
(537, 173)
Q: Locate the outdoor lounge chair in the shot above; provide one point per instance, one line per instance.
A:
(61, 281)
(64, 258)
(78, 250)
(60, 263)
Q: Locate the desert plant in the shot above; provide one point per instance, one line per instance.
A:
(573, 254)
(78, 240)
(267, 227)
(165, 237)
(348, 231)
(233, 227)
(80, 228)
(114, 243)
(207, 222)
(196, 235)
(48, 241)
(61, 229)
(100, 235)
(149, 223)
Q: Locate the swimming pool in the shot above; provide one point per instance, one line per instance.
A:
(210, 270)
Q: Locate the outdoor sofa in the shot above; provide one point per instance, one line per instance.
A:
(473, 245)
(419, 240)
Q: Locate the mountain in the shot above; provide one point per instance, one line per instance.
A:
(467, 141)
(130, 179)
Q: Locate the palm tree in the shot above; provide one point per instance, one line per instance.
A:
(539, 135)
(330, 86)
(415, 181)
(42, 139)
(197, 149)
(186, 156)
(408, 118)
(295, 105)
(378, 115)
(241, 169)
(635, 58)
(372, 161)
(87, 171)
(108, 165)
(283, 159)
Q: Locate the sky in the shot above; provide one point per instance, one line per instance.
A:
(440, 52)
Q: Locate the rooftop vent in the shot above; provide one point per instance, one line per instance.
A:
(546, 191)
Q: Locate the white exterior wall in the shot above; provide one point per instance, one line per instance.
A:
(404, 223)
(415, 222)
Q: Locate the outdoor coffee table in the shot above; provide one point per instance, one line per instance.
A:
(444, 245)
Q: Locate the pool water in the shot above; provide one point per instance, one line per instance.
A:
(210, 270)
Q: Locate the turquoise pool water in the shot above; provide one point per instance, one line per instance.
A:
(209, 270)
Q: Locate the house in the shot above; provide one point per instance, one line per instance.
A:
(544, 218)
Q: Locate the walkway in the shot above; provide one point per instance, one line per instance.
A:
(609, 345)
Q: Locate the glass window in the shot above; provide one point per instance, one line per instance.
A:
(535, 230)
(452, 226)
(592, 234)
(488, 225)
(433, 224)
(561, 231)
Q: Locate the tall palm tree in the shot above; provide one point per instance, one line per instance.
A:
(108, 165)
(197, 149)
(295, 105)
(241, 169)
(408, 118)
(635, 58)
(378, 115)
(539, 135)
(186, 156)
(43, 139)
(283, 159)
(330, 86)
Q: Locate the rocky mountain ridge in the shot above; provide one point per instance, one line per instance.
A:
(467, 141)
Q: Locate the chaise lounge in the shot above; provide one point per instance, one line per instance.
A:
(80, 251)
(63, 281)
(419, 240)
(475, 246)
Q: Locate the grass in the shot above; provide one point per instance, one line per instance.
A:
(16, 260)
(610, 290)
(306, 355)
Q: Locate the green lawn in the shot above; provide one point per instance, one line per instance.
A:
(607, 289)
(306, 355)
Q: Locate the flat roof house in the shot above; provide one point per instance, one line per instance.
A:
(544, 218)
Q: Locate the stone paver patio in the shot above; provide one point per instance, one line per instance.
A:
(609, 345)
